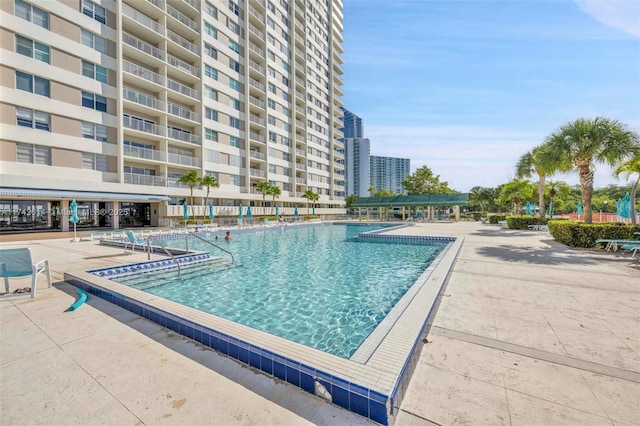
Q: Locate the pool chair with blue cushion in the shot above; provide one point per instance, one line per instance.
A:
(18, 262)
(131, 239)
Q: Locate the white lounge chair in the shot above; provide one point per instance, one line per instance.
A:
(131, 239)
(18, 262)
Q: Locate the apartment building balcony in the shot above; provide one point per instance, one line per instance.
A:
(142, 73)
(301, 96)
(184, 43)
(256, 102)
(257, 173)
(301, 124)
(300, 138)
(142, 126)
(337, 69)
(254, 14)
(256, 49)
(255, 31)
(183, 19)
(301, 110)
(301, 166)
(183, 65)
(183, 89)
(338, 90)
(256, 67)
(142, 46)
(140, 179)
(258, 155)
(144, 153)
(299, 12)
(257, 137)
(299, 27)
(142, 99)
(256, 84)
(301, 181)
(182, 112)
(142, 19)
(300, 54)
(195, 4)
(257, 120)
(301, 152)
(184, 160)
(301, 69)
(175, 183)
(183, 136)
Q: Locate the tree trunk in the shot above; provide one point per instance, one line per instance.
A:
(541, 196)
(632, 201)
(586, 189)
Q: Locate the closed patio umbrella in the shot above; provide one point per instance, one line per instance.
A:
(528, 209)
(625, 206)
(73, 207)
(579, 210)
(185, 213)
(249, 215)
(240, 214)
(313, 212)
(295, 212)
(277, 211)
(550, 208)
(210, 211)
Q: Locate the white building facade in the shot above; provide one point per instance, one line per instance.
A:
(388, 173)
(357, 151)
(111, 102)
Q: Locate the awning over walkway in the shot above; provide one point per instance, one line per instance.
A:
(55, 194)
(413, 200)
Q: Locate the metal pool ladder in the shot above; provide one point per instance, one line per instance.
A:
(233, 260)
(151, 237)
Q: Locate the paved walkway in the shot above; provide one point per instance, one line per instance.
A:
(528, 332)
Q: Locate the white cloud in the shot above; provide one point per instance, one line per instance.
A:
(621, 14)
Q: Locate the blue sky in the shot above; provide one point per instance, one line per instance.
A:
(466, 87)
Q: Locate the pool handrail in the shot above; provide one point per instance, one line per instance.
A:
(152, 237)
(233, 260)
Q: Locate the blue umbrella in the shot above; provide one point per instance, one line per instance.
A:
(579, 210)
(619, 207)
(277, 211)
(550, 208)
(240, 214)
(625, 207)
(210, 210)
(185, 211)
(74, 217)
(249, 215)
(528, 209)
(295, 212)
(313, 212)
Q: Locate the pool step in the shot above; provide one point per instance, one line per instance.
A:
(145, 282)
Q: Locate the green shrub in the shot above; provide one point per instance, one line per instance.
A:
(478, 215)
(495, 218)
(523, 222)
(579, 234)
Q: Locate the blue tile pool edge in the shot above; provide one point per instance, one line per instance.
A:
(351, 396)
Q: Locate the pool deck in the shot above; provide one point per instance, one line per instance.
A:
(527, 332)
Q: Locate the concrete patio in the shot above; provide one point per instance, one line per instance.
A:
(527, 332)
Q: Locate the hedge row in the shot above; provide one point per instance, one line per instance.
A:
(523, 222)
(578, 234)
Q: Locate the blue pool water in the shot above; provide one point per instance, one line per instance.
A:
(320, 286)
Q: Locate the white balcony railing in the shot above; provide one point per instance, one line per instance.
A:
(142, 98)
(179, 63)
(142, 126)
(177, 38)
(179, 111)
(183, 18)
(184, 160)
(181, 88)
(257, 120)
(257, 173)
(256, 84)
(142, 19)
(146, 153)
(257, 102)
(140, 179)
(183, 135)
(257, 155)
(257, 137)
(143, 46)
(142, 72)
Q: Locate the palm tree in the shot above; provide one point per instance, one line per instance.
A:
(627, 169)
(275, 192)
(311, 197)
(208, 182)
(190, 179)
(556, 188)
(263, 187)
(516, 191)
(530, 163)
(581, 144)
(481, 195)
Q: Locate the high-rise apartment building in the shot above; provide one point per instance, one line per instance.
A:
(112, 102)
(352, 125)
(388, 173)
(357, 152)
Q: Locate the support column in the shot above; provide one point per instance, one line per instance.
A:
(115, 222)
(64, 210)
(456, 209)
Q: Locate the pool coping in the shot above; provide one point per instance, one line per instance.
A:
(372, 385)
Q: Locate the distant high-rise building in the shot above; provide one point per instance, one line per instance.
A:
(353, 127)
(388, 173)
(112, 102)
(357, 152)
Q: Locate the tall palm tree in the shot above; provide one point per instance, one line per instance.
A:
(516, 191)
(275, 192)
(191, 180)
(208, 182)
(311, 197)
(627, 169)
(481, 196)
(530, 163)
(555, 188)
(581, 144)
(263, 187)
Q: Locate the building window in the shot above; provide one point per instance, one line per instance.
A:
(93, 41)
(32, 14)
(234, 122)
(234, 141)
(234, 103)
(32, 83)
(94, 71)
(93, 101)
(234, 65)
(211, 10)
(210, 30)
(97, 162)
(211, 114)
(33, 119)
(210, 72)
(234, 8)
(33, 154)
(271, 119)
(272, 136)
(234, 46)
(211, 51)
(271, 103)
(210, 135)
(210, 93)
(234, 180)
(94, 131)
(94, 11)
(235, 28)
(33, 49)
(234, 84)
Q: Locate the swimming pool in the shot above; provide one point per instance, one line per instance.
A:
(320, 286)
(371, 382)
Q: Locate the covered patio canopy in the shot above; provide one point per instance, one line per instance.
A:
(413, 200)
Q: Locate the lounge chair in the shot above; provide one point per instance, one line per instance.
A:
(18, 262)
(131, 239)
(613, 244)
